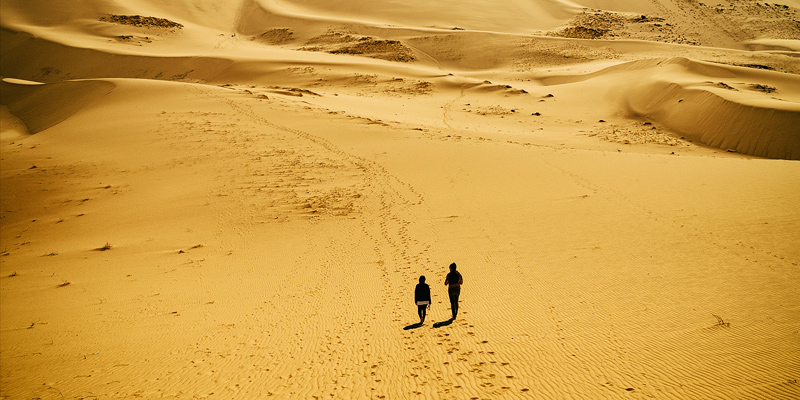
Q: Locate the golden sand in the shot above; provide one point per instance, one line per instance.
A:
(234, 200)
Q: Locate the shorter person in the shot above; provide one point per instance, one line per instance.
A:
(454, 282)
(422, 296)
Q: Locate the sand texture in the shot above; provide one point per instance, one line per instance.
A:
(235, 199)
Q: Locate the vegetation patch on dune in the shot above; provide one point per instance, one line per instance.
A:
(345, 43)
(755, 19)
(582, 32)
(131, 39)
(728, 23)
(595, 24)
(332, 37)
(141, 21)
(591, 25)
(276, 36)
(493, 110)
(402, 86)
(636, 133)
(763, 88)
(391, 50)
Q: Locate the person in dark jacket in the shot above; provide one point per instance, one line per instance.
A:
(454, 282)
(422, 296)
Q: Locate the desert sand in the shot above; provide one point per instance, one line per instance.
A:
(235, 199)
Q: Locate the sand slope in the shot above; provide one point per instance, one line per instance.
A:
(240, 206)
(728, 112)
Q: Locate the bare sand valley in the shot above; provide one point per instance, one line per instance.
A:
(234, 200)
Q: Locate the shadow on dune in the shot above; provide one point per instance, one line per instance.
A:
(679, 94)
(435, 325)
(43, 106)
(443, 323)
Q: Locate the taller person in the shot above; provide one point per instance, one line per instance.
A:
(454, 280)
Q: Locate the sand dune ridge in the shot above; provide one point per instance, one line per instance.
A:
(235, 199)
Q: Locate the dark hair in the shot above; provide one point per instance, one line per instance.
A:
(422, 279)
(453, 266)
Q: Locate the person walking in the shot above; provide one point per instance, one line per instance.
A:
(454, 280)
(422, 296)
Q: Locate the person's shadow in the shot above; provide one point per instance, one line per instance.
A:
(435, 325)
(443, 323)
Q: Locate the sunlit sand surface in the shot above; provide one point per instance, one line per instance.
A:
(235, 200)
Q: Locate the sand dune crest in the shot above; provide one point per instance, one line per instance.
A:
(771, 129)
(240, 206)
(41, 107)
(746, 110)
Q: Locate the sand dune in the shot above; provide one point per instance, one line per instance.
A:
(764, 102)
(44, 106)
(761, 128)
(219, 200)
(739, 110)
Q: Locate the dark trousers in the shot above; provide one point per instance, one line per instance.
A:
(422, 310)
(454, 292)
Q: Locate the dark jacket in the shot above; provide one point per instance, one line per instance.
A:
(454, 279)
(422, 292)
